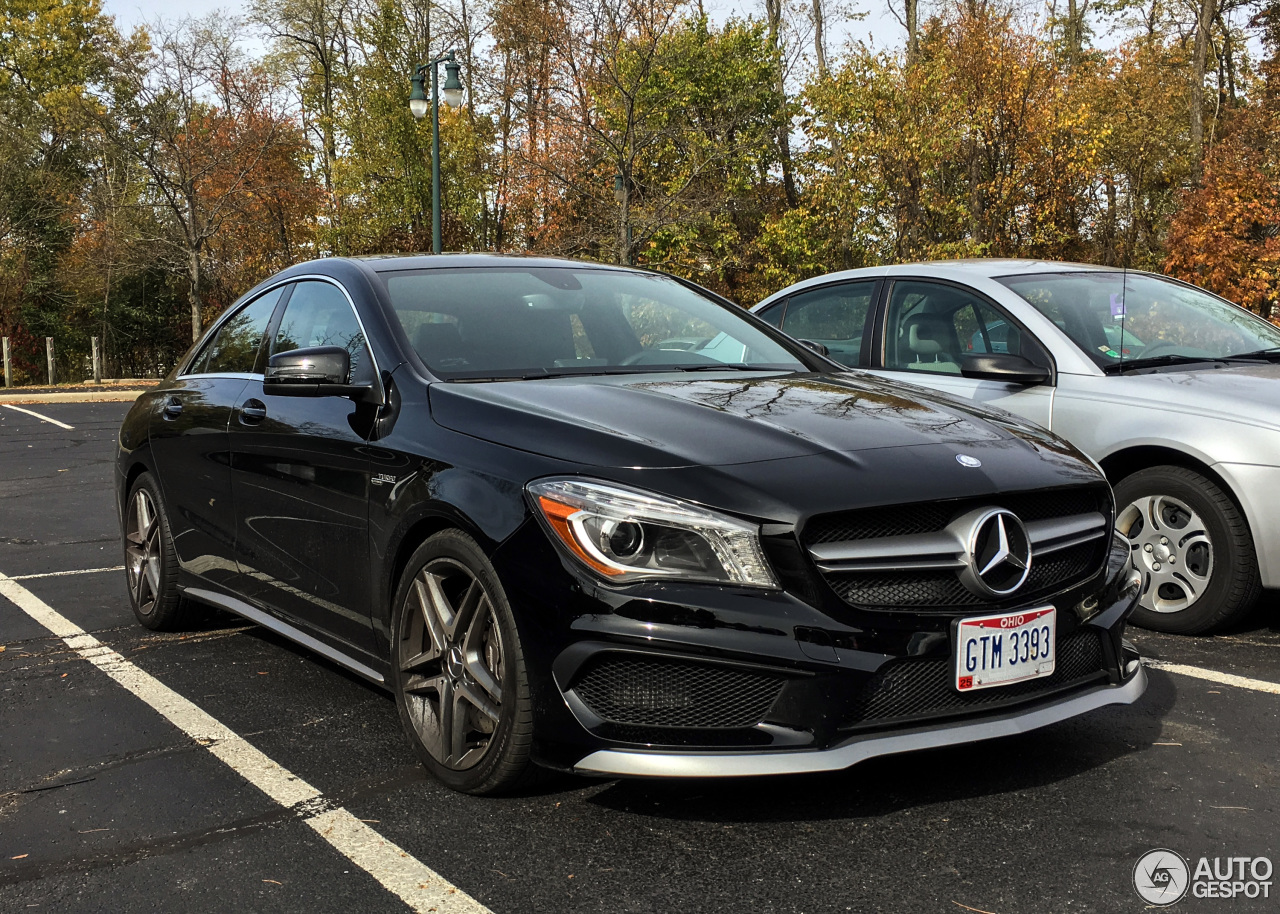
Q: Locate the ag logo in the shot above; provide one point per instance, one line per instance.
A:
(1161, 877)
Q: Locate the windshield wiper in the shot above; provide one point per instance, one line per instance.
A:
(727, 366)
(1155, 362)
(1258, 355)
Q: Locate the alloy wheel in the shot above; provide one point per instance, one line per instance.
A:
(142, 551)
(1171, 548)
(451, 663)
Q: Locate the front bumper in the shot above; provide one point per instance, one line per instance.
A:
(699, 680)
(648, 763)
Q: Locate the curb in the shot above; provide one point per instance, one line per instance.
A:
(72, 396)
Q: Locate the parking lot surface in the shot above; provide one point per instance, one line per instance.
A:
(108, 802)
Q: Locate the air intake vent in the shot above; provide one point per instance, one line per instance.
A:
(662, 692)
(908, 690)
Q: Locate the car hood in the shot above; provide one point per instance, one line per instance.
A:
(675, 420)
(1244, 393)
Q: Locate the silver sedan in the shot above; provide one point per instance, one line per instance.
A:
(1173, 391)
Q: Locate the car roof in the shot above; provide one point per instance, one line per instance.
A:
(995, 266)
(390, 262)
(961, 269)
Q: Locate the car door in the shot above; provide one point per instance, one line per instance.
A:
(190, 445)
(300, 478)
(929, 326)
(834, 315)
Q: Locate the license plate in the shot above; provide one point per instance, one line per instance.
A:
(1006, 648)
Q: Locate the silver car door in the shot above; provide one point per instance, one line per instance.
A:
(930, 326)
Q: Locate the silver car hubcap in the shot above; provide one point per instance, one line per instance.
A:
(1172, 549)
(142, 552)
(451, 663)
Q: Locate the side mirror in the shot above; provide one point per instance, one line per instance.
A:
(320, 371)
(1003, 366)
(819, 348)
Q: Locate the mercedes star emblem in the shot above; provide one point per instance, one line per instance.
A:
(999, 555)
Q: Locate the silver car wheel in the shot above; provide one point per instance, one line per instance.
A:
(1172, 549)
(451, 657)
(142, 552)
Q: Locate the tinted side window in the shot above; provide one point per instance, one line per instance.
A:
(238, 345)
(835, 316)
(318, 314)
(773, 315)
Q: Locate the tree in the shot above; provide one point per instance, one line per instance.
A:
(203, 128)
(54, 60)
(1226, 233)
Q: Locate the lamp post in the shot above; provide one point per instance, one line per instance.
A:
(451, 92)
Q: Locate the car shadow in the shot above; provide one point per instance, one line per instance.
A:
(888, 785)
(876, 787)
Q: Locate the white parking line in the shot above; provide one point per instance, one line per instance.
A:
(419, 886)
(31, 412)
(1240, 682)
(63, 574)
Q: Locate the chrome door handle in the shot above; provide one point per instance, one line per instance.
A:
(173, 408)
(253, 411)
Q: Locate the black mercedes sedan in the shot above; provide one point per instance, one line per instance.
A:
(510, 492)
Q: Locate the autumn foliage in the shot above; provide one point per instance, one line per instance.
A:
(153, 178)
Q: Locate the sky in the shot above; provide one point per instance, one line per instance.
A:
(879, 25)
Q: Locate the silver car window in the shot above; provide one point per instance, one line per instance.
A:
(1115, 317)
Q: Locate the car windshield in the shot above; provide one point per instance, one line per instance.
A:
(1121, 318)
(537, 322)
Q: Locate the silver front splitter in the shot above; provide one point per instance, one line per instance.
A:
(666, 764)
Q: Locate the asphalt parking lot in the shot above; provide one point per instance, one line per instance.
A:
(107, 804)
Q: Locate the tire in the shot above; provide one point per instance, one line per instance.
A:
(458, 670)
(150, 561)
(1193, 548)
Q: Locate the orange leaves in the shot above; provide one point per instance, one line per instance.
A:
(1226, 235)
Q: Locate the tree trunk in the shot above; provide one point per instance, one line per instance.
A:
(773, 9)
(819, 40)
(193, 292)
(1074, 32)
(911, 10)
(1208, 8)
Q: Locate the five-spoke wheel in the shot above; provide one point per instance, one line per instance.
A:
(459, 674)
(1192, 546)
(150, 563)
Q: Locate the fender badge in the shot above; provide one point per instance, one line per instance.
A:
(966, 461)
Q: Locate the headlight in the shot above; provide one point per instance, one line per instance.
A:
(628, 535)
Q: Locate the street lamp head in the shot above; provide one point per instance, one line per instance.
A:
(451, 91)
(418, 104)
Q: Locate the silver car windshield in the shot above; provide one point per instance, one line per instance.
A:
(1120, 318)
(516, 322)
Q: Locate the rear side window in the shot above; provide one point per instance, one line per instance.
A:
(835, 316)
(237, 348)
(318, 314)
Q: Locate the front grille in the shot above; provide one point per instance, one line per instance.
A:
(1067, 566)
(902, 520)
(943, 590)
(664, 692)
(912, 689)
(940, 590)
(913, 589)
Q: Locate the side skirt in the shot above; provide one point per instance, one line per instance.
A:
(284, 629)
